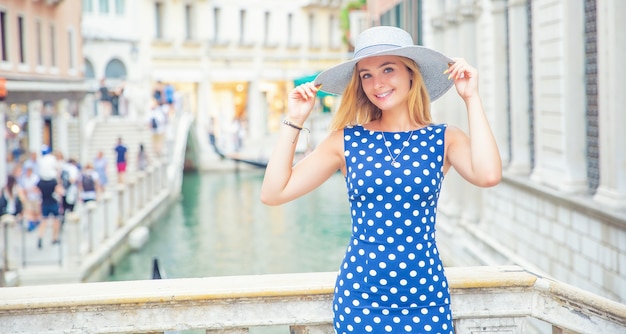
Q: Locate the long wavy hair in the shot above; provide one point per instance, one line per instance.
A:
(355, 108)
(10, 185)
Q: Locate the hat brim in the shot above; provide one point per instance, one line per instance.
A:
(431, 63)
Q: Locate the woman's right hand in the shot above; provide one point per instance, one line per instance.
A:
(301, 102)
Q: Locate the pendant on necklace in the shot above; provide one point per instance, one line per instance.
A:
(395, 163)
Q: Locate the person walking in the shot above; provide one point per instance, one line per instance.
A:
(157, 124)
(89, 184)
(104, 97)
(32, 197)
(47, 165)
(100, 166)
(31, 162)
(51, 192)
(69, 182)
(394, 159)
(11, 198)
(142, 158)
(121, 159)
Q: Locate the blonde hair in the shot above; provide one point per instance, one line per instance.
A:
(356, 108)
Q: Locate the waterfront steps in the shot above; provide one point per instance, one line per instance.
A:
(484, 300)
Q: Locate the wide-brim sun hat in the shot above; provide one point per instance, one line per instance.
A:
(386, 41)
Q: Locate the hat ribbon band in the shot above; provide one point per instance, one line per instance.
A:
(373, 49)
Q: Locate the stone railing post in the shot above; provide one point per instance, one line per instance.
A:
(7, 221)
(154, 183)
(141, 189)
(91, 207)
(149, 182)
(162, 176)
(73, 239)
(105, 200)
(132, 201)
(121, 216)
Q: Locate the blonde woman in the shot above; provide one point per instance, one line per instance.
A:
(394, 160)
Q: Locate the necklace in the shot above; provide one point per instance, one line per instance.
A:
(405, 143)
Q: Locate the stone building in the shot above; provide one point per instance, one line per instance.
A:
(41, 66)
(549, 77)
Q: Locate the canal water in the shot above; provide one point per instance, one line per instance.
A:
(219, 227)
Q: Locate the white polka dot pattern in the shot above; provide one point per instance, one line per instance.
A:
(392, 279)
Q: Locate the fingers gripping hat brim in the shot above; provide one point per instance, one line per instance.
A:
(385, 41)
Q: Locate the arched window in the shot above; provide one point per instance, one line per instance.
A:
(89, 72)
(115, 69)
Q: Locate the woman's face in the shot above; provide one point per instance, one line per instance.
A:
(385, 80)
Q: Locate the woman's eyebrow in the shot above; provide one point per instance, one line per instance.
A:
(381, 65)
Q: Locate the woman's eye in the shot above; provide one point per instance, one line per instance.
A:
(365, 76)
(388, 70)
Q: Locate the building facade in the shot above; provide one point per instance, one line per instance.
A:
(234, 61)
(41, 70)
(549, 78)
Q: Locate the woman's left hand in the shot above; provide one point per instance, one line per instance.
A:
(465, 78)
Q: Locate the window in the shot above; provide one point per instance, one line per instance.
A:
(591, 88)
(312, 32)
(87, 6)
(216, 25)
(104, 6)
(38, 33)
(266, 29)
(71, 44)
(189, 22)
(89, 72)
(158, 16)
(120, 7)
(290, 41)
(53, 47)
(3, 36)
(334, 38)
(20, 40)
(242, 26)
(115, 69)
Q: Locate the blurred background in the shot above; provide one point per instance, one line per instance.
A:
(77, 74)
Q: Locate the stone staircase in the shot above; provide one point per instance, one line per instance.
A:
(132, 132)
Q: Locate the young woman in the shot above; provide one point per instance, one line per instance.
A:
(394, 160)
(11, 198)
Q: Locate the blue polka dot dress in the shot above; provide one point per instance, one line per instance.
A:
(392, 279)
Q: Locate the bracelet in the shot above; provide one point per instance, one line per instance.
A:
(294, 125)
(297, 127)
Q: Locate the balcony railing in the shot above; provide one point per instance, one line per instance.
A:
(484, 300)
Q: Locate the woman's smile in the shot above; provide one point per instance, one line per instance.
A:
(384, 95)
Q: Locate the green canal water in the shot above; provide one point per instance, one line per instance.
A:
(219, 227)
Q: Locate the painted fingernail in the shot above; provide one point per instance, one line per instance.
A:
(446, 71)
(449, 76)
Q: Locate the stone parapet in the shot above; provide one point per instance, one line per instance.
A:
(484, 300)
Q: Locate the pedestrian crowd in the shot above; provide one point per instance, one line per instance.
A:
(166, 100)
(43, 188)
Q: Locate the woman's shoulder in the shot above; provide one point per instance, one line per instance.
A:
(453, 132)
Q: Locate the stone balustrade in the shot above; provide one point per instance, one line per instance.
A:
(93, 233)
(484, 300)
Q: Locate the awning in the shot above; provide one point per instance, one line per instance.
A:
(309, 78)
